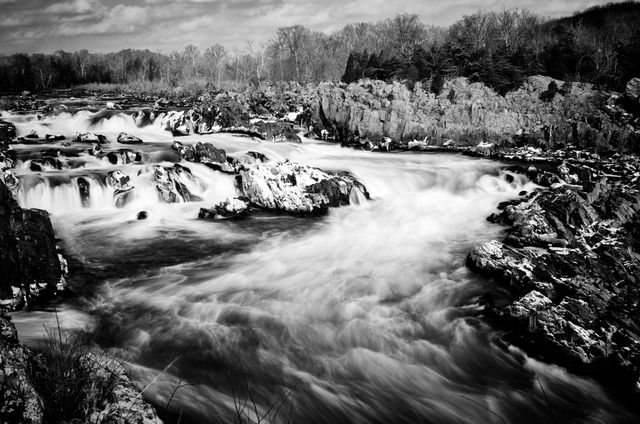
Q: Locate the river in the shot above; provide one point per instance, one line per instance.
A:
(366, 315)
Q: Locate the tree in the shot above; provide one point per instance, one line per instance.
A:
(192, 55)
(294, 39)
(404, 33)
(214, 58)
(350, 71)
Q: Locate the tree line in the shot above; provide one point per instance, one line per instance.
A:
(600, 45)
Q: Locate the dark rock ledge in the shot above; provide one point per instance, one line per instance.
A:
(570, 267)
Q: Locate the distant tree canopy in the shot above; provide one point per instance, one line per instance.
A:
(600, 45)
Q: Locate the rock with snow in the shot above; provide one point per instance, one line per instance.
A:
(119, 181)
(294, 188)
(172, 184)
(89, 137)
(229, 209)
(124, 138)
(112, 106)
(123, 157)
(54, 137)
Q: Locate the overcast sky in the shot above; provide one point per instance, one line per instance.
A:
(163, 25)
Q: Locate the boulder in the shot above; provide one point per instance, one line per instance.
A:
(205, 153)
(85, 191)
(294, 188)
(229, 209)
(89, 137)
(45, 163)
(144, 117)
(251, 158)
(124, 157)
(7, 132)
(119, 181)
(633, 88)
(277, 131)
(28, 257)
(6, 161)
(11, 182)
(54, 137)
(124, 138)
(171, 183)
(112, 106)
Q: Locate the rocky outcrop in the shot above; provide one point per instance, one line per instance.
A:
(229, 209)
(172, 183)
(20, 401)
(205, 153)
(571, 265)
(124, 138)
(374, 114)
(277, 131)
(633, 88)
(45, 163)
(123, 157)
(7, 132)
(29, 263)
(144, 117)
(298, 189)
(90, 137)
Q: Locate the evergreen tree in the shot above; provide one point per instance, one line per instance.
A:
(350, 75)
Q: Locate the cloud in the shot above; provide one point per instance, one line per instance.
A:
(106, 25)
(73, 7)
(119, 19)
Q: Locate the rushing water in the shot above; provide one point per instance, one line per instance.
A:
(366, 315)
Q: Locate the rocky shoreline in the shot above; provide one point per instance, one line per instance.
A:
(569, 267)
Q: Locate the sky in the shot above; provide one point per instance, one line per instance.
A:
(163, 25)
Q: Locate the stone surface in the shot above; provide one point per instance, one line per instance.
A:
(229, 209)
(19, 400)
(172, 183)
(28, 257)
(124, 138)
(389, 116)
(570, 262)
(90, 137)
(294, 188)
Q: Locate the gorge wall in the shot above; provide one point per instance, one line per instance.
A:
(374, 114)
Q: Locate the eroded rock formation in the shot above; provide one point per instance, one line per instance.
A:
(571, 265)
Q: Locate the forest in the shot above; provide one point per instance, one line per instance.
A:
(599, 45)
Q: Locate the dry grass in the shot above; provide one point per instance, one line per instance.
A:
(69, 379)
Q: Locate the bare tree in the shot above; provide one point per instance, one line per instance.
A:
(192, 55)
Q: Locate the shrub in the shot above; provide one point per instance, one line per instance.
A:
(71, 381)
(452, 96)
(550, 92)
(437, 84)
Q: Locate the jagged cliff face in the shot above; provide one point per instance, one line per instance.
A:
(28, 257)
(468, 113)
